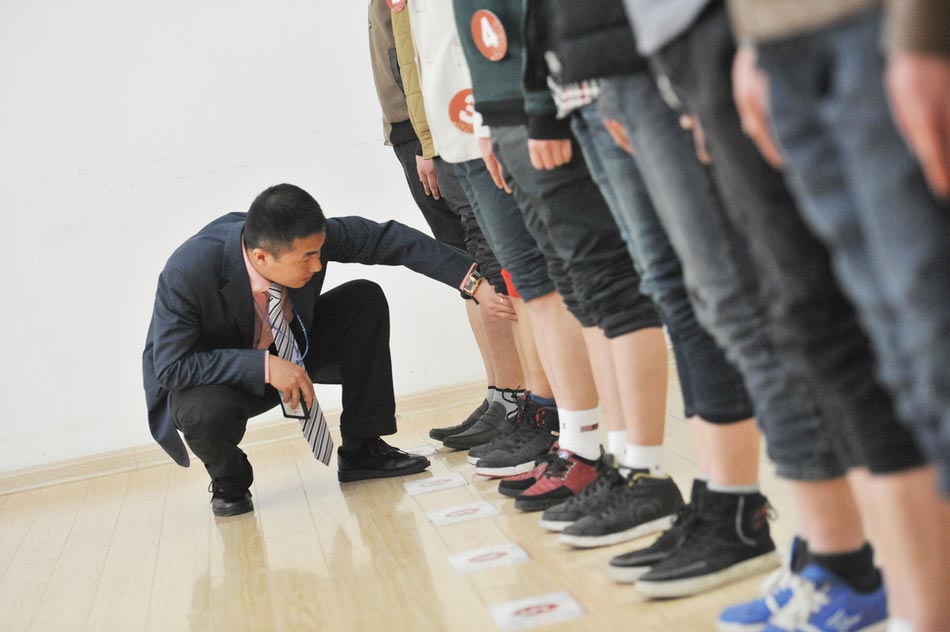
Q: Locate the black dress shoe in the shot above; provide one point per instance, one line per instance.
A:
(377, 459)
(223, 504)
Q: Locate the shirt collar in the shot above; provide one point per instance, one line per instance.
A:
(258, 282)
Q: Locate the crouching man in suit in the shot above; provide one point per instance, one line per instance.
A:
(240, 324)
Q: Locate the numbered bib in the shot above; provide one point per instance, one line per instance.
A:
(396, 5)
(462, 111)
(489, 35)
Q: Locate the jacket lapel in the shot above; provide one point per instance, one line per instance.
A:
(237, 287)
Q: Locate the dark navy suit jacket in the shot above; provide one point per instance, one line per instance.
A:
(202, 325)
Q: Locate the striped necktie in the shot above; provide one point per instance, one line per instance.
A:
(315, 426)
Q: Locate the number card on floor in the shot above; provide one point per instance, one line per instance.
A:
(535, 611)
(462, 513)
(489, 557)
(435, 484)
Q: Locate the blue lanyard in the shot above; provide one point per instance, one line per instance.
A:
(306, 338)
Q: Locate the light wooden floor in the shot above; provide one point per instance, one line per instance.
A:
(141, 550)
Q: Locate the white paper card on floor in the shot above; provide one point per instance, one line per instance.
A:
(435, 484)
(422, 450)
(535, 611)
(489, 557)
(462, 513)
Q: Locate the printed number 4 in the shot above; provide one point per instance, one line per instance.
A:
(489, 37)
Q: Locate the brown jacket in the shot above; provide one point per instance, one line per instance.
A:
(389, 87)
(912, 25)
(406, 52)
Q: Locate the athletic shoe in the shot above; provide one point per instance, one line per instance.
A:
(566, 475)
(525, 411)
(520, 448)
(754, 615)
(730, 542)
(514, 486)
(559, 516)
(821, 602)
(440, 434)
(644, 504)
(492, 422)
(629, 567)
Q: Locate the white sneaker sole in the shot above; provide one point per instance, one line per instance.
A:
(627, 575)
(695, 585)
(471, 459)
(556, 525)
(511, 470)
(590, 542)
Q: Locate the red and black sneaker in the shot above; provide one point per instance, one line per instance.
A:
(517, 484)
(566, 475)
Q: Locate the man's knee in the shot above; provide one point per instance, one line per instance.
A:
(203, 407)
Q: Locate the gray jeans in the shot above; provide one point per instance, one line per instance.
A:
(724, 283)
(863, 192)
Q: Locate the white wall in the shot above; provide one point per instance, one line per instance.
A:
(124, 128)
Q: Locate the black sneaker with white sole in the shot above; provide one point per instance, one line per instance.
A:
(489, 425)
(522, 416)
(558, 517)
(629, 567)
(729, 542)
(531, 439)
(644, 504)
(440, 434)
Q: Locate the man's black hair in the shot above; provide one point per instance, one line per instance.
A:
(279, 215)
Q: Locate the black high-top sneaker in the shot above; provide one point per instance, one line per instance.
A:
(491, 423)
(629, 567)
(439, 434)
(522, 415)
(729, 542)
(519, 449)
(644, 504)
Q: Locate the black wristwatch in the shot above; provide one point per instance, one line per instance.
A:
(470, 284)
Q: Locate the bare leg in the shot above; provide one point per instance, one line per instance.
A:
(912, 533)
(640, 367)
(535, 379)
(731, 450)
(503, 352)
(562, 352)
(602, 366)
(828, 515)
(478, 330)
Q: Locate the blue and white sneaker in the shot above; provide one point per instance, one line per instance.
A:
(754, 615)
(823, 603)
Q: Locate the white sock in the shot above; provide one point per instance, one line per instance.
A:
(578, 432)
(491, 394)
(899, 625)
(509, 403)
(644, 457)
(617, 444)
(732, 489)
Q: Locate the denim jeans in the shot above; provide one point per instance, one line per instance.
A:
(568, 217)
(864, 194)
(724, 284)
(475, 242)
(500, 219)
(712, 388)
(812, 323)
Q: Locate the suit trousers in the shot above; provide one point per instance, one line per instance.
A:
(349, 345)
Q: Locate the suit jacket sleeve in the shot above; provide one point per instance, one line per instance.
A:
(179, 359)
(359, 240)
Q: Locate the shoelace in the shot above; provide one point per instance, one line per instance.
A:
(616, 500)
(558, 467)
(776, 582)
(807, 599)
(607, 477)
